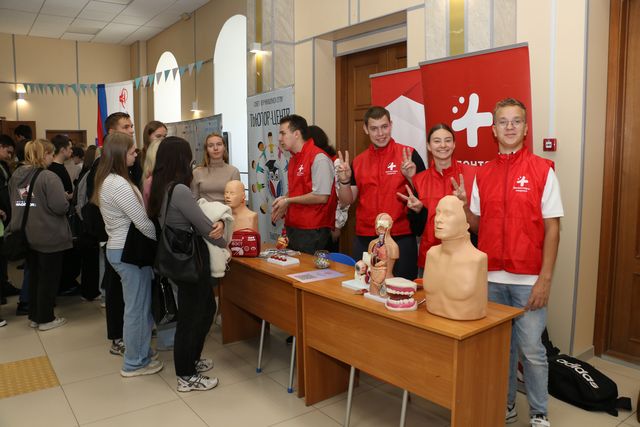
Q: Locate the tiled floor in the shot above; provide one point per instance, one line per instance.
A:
(92, 393)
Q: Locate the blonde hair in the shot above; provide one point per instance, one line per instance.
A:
(150, 159)
(225, 156)
(35, 152)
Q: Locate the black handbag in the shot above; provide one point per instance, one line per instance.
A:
(139, 249)
(92, 222)
(16, 245)
(182, 255)
(163, 302)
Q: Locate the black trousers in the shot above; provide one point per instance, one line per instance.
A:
(90, 269)
(405, 266)
(196, 308)
(308, 241)
(114, 301)
(45, 270)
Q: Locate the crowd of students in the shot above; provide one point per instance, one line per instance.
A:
(512, 204)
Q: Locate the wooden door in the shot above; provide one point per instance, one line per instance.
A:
(77, 137)
(618, 309)
(353, 99)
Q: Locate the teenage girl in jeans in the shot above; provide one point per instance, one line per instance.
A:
(196, 304)
(120, 204)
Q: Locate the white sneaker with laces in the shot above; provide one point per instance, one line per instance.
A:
(58, 321)
(196, 382)
(204, 365)
(512, 414)
(539, 420)
(153, 367)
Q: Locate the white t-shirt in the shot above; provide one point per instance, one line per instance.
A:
(551, 204)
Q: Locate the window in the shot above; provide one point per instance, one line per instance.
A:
(167, 93)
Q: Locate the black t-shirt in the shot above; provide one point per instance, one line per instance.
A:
(61, 171)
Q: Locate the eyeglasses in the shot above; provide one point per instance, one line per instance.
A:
(516, 123)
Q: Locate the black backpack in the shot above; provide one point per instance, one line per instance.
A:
(580, 384)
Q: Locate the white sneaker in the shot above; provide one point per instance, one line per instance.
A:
(153, 367)
(196, 382)
(32, 324)
(2, 322)
(512, 414)
(539, 420)
(58, 321)
(204, 365)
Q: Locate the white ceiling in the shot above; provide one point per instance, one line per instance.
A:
(104, 21)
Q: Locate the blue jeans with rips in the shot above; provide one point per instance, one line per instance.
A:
(526, 339)
(138, 321)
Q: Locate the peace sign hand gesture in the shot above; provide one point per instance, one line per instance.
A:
(459, 191)
(343, 169)
(408, 166)
(413, 202)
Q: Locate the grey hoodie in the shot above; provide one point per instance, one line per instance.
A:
(47, 226)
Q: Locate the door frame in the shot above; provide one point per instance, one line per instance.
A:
(613, 144)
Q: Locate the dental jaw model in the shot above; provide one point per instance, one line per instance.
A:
(400, 293)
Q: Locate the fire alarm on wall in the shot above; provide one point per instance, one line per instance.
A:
(549, 144)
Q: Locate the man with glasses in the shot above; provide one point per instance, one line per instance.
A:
(516, 206)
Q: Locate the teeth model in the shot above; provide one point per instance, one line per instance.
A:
(400, 294)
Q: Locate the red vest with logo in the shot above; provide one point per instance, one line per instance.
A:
(511, 230)
(300, 182)
(378, 177)
(432, 186)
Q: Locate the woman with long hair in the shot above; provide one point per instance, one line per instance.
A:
(154, 132)
(47, 230)
(120, 204)
(196, 304)
(210, 178)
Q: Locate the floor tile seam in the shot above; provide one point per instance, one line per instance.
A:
(88, 379)
(88, 423)
(66, 398)
(56, 353)
(312, 409)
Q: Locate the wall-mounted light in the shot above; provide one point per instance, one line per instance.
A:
(255, 48)
(194, 107)
(20, 92)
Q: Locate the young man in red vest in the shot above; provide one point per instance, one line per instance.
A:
(376, 177)
(516, 206)
(308, 216)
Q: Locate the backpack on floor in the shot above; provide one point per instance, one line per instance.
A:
(580, 384)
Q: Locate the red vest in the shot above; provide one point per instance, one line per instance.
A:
(433, 186)
(378, 177)
(511, 230)
(307, 217)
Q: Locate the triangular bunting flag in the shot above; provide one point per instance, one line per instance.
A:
(83, 88)
(158, 76)
(26, 87)
(191, 68)
(52, 87)
(94, 87)
(166, 74)
(42, 87)
(74, 86)
(137, 82)
(145, 80)
(199, 66)
(63, 88)
(175, 71)
(183, 70)
(151, 79)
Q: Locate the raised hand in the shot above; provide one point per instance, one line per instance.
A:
(459, 189)
(279, 208)
(413, 202)
(343, 169)
(408, 168)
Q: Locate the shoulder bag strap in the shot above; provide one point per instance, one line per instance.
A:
(29, 194)
(166, 207)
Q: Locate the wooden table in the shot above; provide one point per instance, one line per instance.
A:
(461, 365)
(254, 289)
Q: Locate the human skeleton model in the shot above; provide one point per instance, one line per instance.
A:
(384, 252)
(234, 197)
(455, 277)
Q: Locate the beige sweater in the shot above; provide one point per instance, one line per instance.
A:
(209, 182)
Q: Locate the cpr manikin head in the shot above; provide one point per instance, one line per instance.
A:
(234, 194)
(450, 221)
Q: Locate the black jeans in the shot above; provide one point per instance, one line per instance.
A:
(90, 269)
(196, 308)
(45, 270)
(114, 301)
(308, 241)
(405, 266)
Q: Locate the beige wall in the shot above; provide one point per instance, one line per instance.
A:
(43, 60)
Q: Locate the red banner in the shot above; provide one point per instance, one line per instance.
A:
(462, 92)
(400, 92)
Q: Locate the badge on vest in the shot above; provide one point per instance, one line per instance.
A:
(300, 171)
(521, 185)
(392, 169)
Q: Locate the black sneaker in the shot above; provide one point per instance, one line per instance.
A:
(22, 309)
(3, 301)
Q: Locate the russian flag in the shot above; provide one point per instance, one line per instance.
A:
(102, 113)
(113, 98)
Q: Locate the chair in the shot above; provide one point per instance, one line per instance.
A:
(342, 258)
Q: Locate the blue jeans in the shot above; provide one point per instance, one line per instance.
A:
(138, 321)
(525, 339)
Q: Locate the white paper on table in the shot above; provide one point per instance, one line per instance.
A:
(315, 275)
